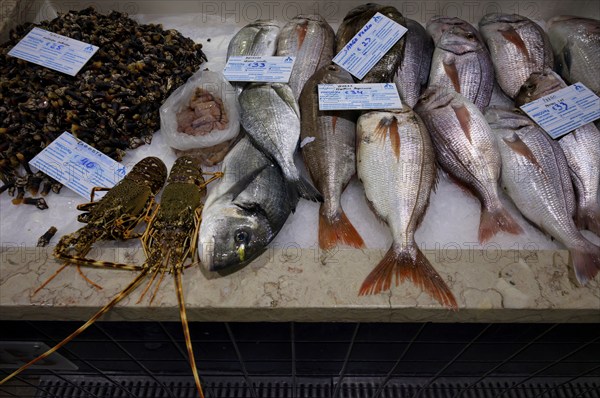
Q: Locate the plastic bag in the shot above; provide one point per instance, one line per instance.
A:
(178, 102)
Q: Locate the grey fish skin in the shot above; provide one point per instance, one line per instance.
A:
(581, 147)
(576, 44)
(436, 26)
(461, 62)
(536, 177)
(518, 47)
(413, 72)
(396, 164)
(330, 155)
(467, 150)
(384, 70)
(244, 213)
(271, 117)
(311, 40)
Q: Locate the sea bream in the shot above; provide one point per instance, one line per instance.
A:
(396, 164)
(581, 147)
(466, 149)
(518, 46)
(535, 175)
(311, 40)
(271, 117)
(328, 140)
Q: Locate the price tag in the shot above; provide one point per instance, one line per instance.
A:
(259, 69)
(53, 51)
(77, 165)
(564, 110)
(358, 96)
(369, 45)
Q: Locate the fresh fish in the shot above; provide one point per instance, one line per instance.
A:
(467, 150)
(271, 117)
(462, 63)
(436, 26)
(518, 47)
(581, 147)
(384, 70)
(310, 39)
(536, 177)
(396, 164)
(329, 152)
(413, 72)
(244, 212)
(258, 38)
(576, 44)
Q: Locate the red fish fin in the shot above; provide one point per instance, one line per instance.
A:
(452, 73)
(301, 30)
(333, 123)
(589, 218)
(493, 222)
(381, 131)
(464, 118)
(418, 270)
(382, 128)
(340, 230)
(512, 36)
(586, 263)
(521, 148)
(395, 138)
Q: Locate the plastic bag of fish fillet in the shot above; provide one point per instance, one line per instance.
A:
(202, 113)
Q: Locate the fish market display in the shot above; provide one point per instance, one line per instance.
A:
(413, 71)
(581, 147)
(271, 117)
(329, 154)
(311, 40)
(204, 113)
(396, 164)
(384, 70)
(518, 47)
(462, 63)
(466, 148)
(436, 26)
(576, 44)
(113, 102)
(244, 212)
(536, 177)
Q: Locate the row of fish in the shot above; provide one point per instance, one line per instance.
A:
(449, 73)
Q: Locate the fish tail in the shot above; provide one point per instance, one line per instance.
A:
(589, 218)
(307, 190)
(586, 261)
(418, 270)
(492, 222)
(338, 230)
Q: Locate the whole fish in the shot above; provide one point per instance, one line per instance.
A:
(536, 177)
(467, 150)
(271, 117)
(413, 71)
(244, 212)
(329, 153)
(462, 63)
(436, 26)
(576, 44)
(518, 47)
(396, 164)
(258, 38)
(311, 40)
(384, 70)
(581, 147)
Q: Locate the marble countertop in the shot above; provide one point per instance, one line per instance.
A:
(306, 286)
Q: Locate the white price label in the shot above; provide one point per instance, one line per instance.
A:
(259, 69)
(358, 96)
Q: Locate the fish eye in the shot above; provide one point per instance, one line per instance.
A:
(241, 236)
(470, 36)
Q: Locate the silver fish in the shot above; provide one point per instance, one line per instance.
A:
(467, 150)
(576, 44)
(536, 177)
(329, 153)
(518, 46)
(384, 70)
(271, 117)
(396, 164)
(436, 26)
(311, 40)
(413, 71)
(581, 147)
(258, 38)
(462, 62)
(244, 212)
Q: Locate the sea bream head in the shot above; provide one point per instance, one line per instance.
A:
(538, 85)
(435, 97)
(459, 40)
(436, 27)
